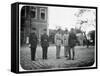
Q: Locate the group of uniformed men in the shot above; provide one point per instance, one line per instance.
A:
(69, 41)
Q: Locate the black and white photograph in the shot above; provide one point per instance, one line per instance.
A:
(56, 37)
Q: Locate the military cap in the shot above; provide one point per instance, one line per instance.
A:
(58, 29)
(72, 28)
(45, 29)
(66, 29)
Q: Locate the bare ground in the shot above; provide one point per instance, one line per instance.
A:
(83, 57)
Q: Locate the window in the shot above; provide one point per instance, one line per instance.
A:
(42, 14)
(33, 12)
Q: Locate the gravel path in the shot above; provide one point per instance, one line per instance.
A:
(83, 57)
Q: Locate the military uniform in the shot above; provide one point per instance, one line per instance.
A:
(72, 42)
(66, 46)
(58, 42)
(33, 44)
(45, 45)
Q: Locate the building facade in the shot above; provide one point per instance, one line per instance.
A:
(33, 16)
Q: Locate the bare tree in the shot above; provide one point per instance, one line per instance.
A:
(84, 20)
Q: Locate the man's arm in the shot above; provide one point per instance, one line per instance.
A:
(76, 39)
(36, 38)
(48, 38)
(41, 38)
(63, 38)
(55, 38)
(29, 38)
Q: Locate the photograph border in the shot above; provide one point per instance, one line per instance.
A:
(15, 37)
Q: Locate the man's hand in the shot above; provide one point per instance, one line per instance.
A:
(29, 45)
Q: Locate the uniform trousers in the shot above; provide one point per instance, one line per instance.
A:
(44, 54)
(58, 51)
(66, 51)
(72, 49)
(33, 51)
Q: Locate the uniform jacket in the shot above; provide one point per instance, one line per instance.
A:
(58, 39)
(44, 40)
(65, 39)
(33, 40)
(72, 40)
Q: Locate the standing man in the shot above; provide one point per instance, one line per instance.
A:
(65, 43)
(58, 42)
(72, 42)
(33, 43)
(44, 43)
(80, 38)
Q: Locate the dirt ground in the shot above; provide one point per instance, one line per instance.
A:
(83, 57)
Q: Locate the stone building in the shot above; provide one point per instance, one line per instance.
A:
(33, 16)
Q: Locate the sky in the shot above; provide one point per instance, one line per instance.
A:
(64, 17)
(61, 16)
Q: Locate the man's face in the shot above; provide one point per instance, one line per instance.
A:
(45, 32)
(66, 32)
(59, 31)
(33, 31)
(72, 30)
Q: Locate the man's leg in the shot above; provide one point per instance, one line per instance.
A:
(45, 52)
(33, 51)
(69, 52)
(65, 51)
(73, 51)
(58, 52)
